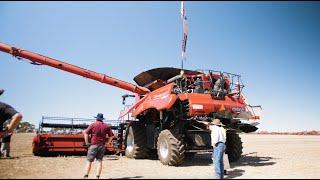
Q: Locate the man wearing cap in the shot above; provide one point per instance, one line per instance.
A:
(96, 147)
(198, 85)
(8, 113)
(218, 140)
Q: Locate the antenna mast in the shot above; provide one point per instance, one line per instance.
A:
(185, 33)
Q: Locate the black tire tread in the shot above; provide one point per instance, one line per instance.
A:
(140, 149)
(233, 146)
(177, 153)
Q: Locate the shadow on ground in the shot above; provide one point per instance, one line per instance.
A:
(11, 157)
(234, 173)
(133, 177)
(250, 159)
(197, 160)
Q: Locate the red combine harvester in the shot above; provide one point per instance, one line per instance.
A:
(172, 109)
(59, 135)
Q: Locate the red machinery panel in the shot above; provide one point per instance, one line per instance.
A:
(57, 136)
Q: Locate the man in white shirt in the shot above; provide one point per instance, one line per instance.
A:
(218, 140)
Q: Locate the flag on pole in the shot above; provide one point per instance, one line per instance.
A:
(185, 30)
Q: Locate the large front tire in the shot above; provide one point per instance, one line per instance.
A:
(136, 142)
(171, 151)
(233, 146)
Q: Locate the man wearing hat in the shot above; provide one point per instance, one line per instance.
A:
(96, 147)
(12, 117)
(218, 140)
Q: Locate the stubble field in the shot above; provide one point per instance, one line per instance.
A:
(264, 156)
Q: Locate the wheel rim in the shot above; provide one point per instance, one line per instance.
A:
(164, 151)
(130, 143)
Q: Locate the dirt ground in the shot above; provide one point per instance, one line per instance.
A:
(264, 156)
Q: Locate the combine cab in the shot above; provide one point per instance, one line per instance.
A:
(64, 136)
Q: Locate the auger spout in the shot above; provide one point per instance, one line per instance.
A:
(41, 59)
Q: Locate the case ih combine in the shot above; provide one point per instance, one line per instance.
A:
(171, 110)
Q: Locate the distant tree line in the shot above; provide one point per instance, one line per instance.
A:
(25, 127)
(313, 132)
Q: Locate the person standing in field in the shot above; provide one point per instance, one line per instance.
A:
(12, 117)
(218, 140)
(96, 147)
(5, 146)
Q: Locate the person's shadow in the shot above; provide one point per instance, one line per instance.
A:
(250, 159)
(131, 177)
(234, 173)
(11, 157)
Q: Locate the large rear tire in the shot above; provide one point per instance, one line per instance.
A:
(233, 146)
(171, 151)
(136, 142)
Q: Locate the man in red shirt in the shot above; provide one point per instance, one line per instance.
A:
(98, 131)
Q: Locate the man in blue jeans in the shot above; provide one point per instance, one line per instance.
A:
(218, 140)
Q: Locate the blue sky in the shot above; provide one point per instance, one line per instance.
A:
(274, 46)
